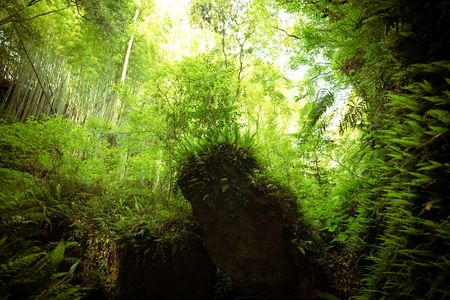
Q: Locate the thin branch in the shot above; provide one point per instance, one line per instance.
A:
(32, 2)
(16, 16)
(241, 58)
(287, 33)
(223, 44)
(8, 19)
(47, 13)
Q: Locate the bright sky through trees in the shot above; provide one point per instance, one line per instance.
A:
(183, 39)
(187, 40)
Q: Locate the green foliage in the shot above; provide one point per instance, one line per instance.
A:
(65, 180)
(38, 274)
(191, 148)
(375, 195)
(415, 241)
(355, 114)
(67, 24)
(197, 94)
(391, 206)
(323, 101)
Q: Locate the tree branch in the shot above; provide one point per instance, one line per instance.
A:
(16, 16)
(47, 13)
(287, 33)
(8, 19)
(32, 2)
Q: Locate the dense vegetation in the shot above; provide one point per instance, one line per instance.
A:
(103, 103)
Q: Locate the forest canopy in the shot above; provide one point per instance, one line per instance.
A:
(125, 125)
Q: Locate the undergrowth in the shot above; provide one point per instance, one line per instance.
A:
(65, 182)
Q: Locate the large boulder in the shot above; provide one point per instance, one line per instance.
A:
(247, 222)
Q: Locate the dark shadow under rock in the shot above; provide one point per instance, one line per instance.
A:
(172, 268)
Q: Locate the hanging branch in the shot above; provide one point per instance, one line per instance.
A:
(33, 2)
(223, 36)
(287, 33)
(241, 43)
(15, 17)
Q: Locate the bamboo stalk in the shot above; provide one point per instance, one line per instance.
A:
(44, 85)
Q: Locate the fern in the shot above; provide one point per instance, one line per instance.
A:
(413, 248)
(191, 147)
(355, 112)
(34, 273)
(324, 100)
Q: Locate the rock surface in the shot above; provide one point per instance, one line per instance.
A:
(171, 270)
(247, 223)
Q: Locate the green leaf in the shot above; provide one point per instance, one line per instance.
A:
(58, 191)
(442, 115)
(340, 238)
(434, 99)
(73, 267)
(415, 117)
(332, 228)
(302, 250)
(57, 255)
(427, 87)
(225, 188)
(3, 240)
(404, 102)
(436, 130)
(430, 165)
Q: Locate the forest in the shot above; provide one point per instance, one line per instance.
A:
(224, 149)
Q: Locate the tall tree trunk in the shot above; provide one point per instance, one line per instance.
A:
(118, 107)
(130, 45)
(119, 103)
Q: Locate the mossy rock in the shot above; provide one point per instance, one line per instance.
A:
(247, 222)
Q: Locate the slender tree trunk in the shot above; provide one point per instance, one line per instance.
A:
(118, 107)
(119, 104)
(130, 45)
